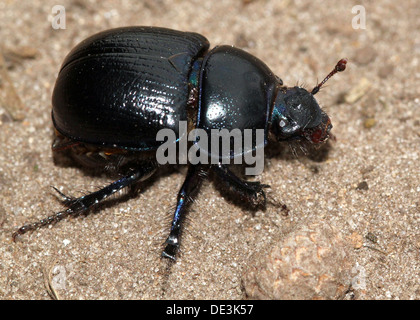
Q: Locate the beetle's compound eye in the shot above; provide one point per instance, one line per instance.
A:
(287, 126)
(283, 123)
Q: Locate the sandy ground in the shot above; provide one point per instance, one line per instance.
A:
(364, 191)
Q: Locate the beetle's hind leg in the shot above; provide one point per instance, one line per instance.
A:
(188, 190)
(76, 206)
(250, 191)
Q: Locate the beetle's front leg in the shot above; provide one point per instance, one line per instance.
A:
(190, 187)
(251, 191)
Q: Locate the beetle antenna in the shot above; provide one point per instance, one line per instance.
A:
(340, 66)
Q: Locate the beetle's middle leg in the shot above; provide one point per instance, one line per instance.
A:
(79, 205)
(189, 188)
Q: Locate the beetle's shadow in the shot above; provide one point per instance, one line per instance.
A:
(283, 151)
(65, 159)
(308, 155)
(299, 151)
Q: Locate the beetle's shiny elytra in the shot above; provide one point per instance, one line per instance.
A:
(118, 88)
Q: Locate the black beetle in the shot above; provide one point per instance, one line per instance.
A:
(118, 88)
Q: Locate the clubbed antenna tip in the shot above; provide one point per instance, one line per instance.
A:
(340, 66)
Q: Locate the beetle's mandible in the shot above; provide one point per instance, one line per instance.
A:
(117, 89)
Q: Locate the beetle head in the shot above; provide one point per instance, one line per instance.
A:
(296, 114)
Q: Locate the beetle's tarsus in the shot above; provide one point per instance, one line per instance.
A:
(250, 191)
(170, 252)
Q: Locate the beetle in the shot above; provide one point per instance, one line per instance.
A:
(117, 89)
